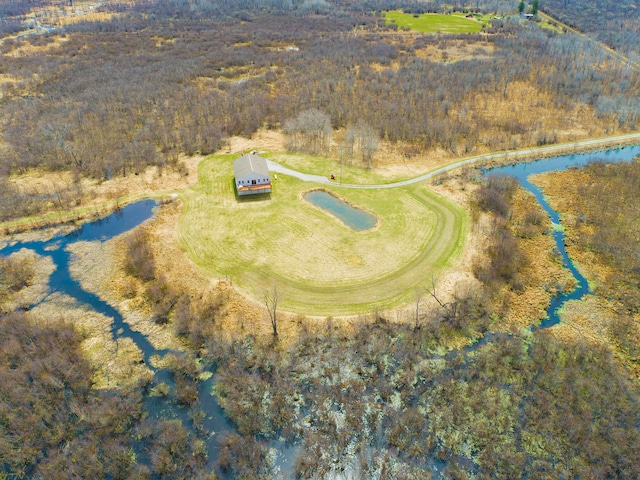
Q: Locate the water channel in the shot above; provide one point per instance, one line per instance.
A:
(119, 222)
(215, 422)
(352, 217)
(522, 172)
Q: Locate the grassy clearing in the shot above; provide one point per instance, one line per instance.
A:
(435, 22)
(319, 265)
(316, 165)
(550, 26)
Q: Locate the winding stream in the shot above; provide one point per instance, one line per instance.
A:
(61, 281)
(215, 422)
(522, 172)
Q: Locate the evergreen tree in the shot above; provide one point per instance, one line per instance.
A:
(535, 6)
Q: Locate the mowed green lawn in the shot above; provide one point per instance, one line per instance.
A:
(433, 22)
(319, 265)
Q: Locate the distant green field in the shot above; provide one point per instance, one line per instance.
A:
(434, 22)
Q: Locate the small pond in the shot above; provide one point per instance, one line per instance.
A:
(353, 218)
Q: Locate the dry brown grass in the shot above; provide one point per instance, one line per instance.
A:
(543, 274)
(38, 288)
(62, 14)
(98, 195)
(522, 104)
(25, 49)
(117, 364)
(560, 198)
(89, 16)
(263, 139)
(94, 267)
(589, 319)
(455, 51)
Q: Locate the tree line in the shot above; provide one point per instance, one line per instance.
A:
(139, 101)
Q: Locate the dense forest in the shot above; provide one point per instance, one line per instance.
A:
(113, 97)
(144, 83)
(614, 22)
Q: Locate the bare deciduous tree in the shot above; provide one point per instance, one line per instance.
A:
(365, 139)
(418, 301)
(271, 298)
(309, 132)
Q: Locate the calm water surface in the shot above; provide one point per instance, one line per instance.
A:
(354, 218)
(61, 281)
(522, 172)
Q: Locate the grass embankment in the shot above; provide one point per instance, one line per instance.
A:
(436, 23)
(319, 265)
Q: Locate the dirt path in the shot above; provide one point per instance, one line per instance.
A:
(514, 155)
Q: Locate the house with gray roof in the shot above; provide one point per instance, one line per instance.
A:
(251, 174)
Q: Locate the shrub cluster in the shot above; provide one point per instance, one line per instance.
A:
(139, 260)
(504, 258)
(15, 273)
(379, 399)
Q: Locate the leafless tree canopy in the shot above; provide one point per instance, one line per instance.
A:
(310, 131)
(362, 141)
